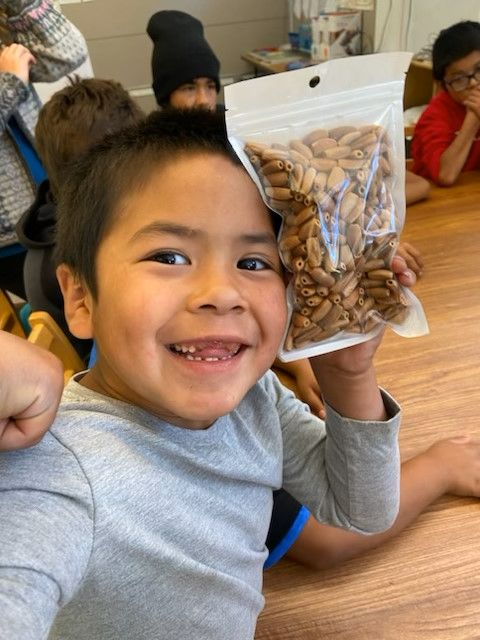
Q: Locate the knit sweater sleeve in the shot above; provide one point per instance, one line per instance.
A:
(12, 92)
(46, 536)
(347, 472)
(58, 46)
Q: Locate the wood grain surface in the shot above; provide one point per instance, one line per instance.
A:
(424, 584)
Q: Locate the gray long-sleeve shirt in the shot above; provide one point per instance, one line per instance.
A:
(119, 526)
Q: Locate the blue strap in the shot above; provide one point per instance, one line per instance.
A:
(286, 542)
(11, 250)
(27, 151)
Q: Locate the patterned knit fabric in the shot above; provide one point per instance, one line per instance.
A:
(59, 48)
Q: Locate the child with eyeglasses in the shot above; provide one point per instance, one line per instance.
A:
(447, 140)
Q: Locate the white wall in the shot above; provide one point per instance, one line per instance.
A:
(411, 24)
(430, 16)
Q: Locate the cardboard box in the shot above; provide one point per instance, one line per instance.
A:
(336, 35)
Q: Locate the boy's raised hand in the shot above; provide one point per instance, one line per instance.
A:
(347, 376)
(31, 384)
(357, 359)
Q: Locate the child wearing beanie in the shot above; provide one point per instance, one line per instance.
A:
(185, 70)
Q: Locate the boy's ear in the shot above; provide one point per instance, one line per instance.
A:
(77, 301)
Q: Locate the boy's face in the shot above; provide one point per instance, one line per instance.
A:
(456, 81)
(201, 92)
(191, 301)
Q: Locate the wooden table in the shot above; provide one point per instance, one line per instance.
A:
(424, 584)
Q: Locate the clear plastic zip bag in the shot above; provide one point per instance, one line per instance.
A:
(325, 146)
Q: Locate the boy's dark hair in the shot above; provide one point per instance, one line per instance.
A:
(120, 165)
(78, 116)
(454, 43)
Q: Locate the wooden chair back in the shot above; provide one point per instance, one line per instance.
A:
(9, 319)
(47, 334)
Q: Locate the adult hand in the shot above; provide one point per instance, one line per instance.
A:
(16, 59)
(31, 384)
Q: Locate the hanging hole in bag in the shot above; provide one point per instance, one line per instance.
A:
(314, 81)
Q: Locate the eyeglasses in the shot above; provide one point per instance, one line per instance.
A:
(459, 83)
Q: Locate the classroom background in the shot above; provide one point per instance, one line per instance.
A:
(120, 49)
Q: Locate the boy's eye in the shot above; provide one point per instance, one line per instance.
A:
(253, 264)
(168, 257)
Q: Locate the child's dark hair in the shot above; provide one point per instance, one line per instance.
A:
(78, 116)
(120, 165)
(454, 43)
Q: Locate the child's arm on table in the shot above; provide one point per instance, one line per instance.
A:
(448, 466)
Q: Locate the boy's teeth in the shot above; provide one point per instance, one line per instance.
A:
(183, 348)
(212, 352)
(210, 359)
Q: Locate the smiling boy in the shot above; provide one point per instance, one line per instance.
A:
(446, 140)
(143, 513)
(202, 342)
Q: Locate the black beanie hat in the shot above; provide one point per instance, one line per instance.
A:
(180, 53)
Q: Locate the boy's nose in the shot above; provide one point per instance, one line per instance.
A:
(217, 293)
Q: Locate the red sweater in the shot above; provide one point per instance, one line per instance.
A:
(434, 133)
